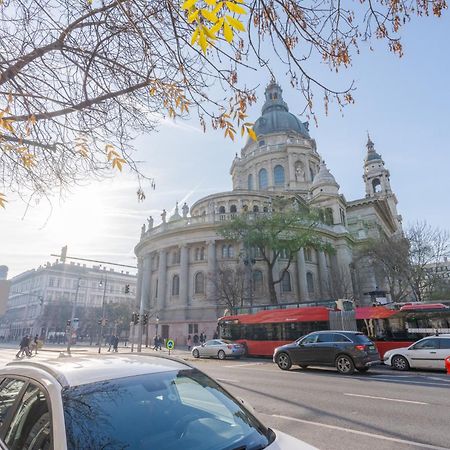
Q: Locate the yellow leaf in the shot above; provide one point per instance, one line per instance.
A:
(227, 32)
(251, 133)
(216, 28)
(209, 15)
(202, 41)
(33, 119)
(3, 200)
(235, 23)
(193, 16)
(235, 8)
(195, 35)
(152, 91)
(208, 33)
(211, 2)
(188, 4)
(118, 163)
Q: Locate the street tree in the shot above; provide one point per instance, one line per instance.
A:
(280, 232)
(230, 286)
(79, 79)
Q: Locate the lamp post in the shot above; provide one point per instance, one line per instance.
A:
(71, 327)
(102, 323)
(156, 324)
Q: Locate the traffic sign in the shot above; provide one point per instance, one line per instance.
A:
(170, 344)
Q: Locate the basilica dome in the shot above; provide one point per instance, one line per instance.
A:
(276, 116)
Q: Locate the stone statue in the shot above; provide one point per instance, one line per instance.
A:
(143, 230)
(185, 210)
(150, 223)
(299, 172)
(163, 216)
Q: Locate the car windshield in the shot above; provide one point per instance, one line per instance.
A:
(162, 411)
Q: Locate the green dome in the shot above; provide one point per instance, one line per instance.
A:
(276, 116)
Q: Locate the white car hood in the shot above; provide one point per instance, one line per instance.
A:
(285, 442)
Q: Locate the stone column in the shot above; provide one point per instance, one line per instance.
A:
(301, 269)
(162, 280)
(323, 275)
(344, 259)
(184, 275)
(210, 287)
(145, 293)
(139, 281)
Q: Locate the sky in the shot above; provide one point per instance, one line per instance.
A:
(403, 103)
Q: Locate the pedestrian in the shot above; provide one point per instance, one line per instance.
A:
(35, 341)
(160, 342)
(24, 347)
(155, 342)
(216, 335)
(189, 342)
(116, 343)
(111, 341)
(195, 339)
(201, 337)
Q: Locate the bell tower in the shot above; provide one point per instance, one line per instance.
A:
(376, 176)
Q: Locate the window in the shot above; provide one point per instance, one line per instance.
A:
(329, 216)
(432, 343)
(199, 283)
(286, 282)
(250, 182)
(308, 254)
(263, 180)
(176, 257)
(325, 337)
(224, 251)
(233, 209)
(30, 427)
(176, 285)
(193, 328)
(278, 175)
(51, 282)
(255, 208)
(257, 281)
(341, 338)
(9, 391)
(312, 339)
(310, 282)
(311, 173)
(222, 210)
(376, 185)
(444, 343)
(230, 251)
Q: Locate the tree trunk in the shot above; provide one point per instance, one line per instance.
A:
(271, 285)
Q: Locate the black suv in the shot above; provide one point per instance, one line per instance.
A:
(346, 350)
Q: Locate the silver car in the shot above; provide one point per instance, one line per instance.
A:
(219, 348)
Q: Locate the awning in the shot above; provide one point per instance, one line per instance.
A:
(374, 312)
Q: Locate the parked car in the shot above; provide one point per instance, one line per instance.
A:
(426, 353)
(220, 348)
(128, 401)
(345, 350)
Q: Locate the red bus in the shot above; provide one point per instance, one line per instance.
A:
(267, 329)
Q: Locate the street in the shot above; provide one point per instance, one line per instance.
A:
(381, 409)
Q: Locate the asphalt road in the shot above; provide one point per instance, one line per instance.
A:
(379, 410)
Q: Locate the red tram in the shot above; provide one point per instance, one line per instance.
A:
(265, 330)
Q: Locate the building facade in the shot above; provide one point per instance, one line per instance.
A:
(60, 284)
(178, 258)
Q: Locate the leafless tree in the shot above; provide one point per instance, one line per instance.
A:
(231, 286)
(81, 78)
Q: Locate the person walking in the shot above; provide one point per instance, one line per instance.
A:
(116, 343)
(189, 342)
(195, 339)
(155, 342)
(24, 347)
(160, 342)
(35, 344)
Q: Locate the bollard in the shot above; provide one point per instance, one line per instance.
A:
(447, 364)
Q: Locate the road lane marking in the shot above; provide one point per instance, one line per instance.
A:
(386, 398)
(390, 380)
(361, 433)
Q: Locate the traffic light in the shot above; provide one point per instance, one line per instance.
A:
(64, 254)
(145, 319)
(127, 289)
(135, 318)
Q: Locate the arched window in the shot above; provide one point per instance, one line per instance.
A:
(233, 209)
(230, 251)
(255, 208)
(286, 282)
(263, 180)
(310, 282)
(376, 184)
(224, 251)
(266, 209)
(176, 285)
(199, 283)
(278, 175)
(250, 182)
(329, 216)
(257, 282)
(222, 210)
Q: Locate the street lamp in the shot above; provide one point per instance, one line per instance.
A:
(156, 324)
(71, 328)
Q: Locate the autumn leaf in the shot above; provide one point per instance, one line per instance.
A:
(227, 32)
(188, 4)
(251, 133)
(235, 23)
(3, 200)
(118, 163)
(233, 7)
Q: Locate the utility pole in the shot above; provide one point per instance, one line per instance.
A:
(71, 328)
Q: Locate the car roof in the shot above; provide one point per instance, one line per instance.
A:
(75, 371)
(337, 331)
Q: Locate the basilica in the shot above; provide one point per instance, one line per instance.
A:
(178, 258)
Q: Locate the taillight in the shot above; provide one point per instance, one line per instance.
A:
(360, 347)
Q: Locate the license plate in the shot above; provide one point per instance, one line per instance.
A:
(372, 348)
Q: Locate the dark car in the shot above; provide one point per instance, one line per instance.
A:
(345, 350)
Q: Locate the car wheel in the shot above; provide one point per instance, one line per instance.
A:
(196, 354)
(400, 363)
(303, 366)
(363, 369)
(344, 365)
(284, 361)
(221, 354)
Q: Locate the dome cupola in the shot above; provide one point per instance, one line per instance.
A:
(275, 115)
(324, 181)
